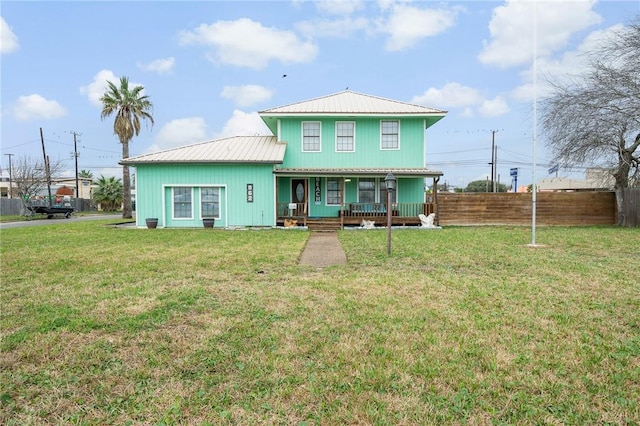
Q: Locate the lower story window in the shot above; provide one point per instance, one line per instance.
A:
(373, 190)
(182, 203)
(210, 202)
(334, 192)
(367, 190)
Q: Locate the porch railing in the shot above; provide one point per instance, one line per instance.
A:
(380, 209)
(300, 210)
(292, 209)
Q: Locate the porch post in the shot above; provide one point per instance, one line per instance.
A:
(305, 209)
(435, 199)
(277, 198)
(341, 212)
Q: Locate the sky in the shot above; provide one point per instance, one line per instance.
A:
(208, 67)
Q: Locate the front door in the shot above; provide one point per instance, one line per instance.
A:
(299, 196)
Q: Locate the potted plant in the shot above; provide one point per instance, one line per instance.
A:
(152, 222)
(208, 222)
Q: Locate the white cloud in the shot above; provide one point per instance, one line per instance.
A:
(512, 29)
(37, 107)
(339, 7)
(98, 86)
(570, 65)
(8, 40)
(407, 25)
(246, 43)
(180, 132)
(386, 4)
(340, 28)
(244, 124)
(451, 95)
(160, 66)
(246, 95)
(494, 107)
(186, 131)
(455, 95)
(467, 113)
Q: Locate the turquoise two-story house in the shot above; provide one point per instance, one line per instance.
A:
(326, 161)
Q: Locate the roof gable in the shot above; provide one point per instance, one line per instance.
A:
(237, 149)
(352, 103)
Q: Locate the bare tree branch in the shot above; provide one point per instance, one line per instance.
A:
(595, 118)
(30, 177)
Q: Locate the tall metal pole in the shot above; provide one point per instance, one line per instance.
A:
(534, 189)
(390, 185)
(10, 176)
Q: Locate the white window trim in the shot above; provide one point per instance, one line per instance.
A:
(223, 199)
(173, 211)
(336, 136)
(302, 136)
(389, 149)
(200, 199)
(377, 190)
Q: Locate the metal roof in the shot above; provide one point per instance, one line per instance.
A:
(237, 149)
(352, 103)
(374, 171)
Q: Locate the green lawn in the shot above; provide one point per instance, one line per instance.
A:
(104, 325)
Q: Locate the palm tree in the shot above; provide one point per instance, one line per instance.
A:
(129, 105)
(86, 174)
(109, 193)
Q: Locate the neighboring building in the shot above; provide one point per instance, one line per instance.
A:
(4, 187)
(85, 186)
(327, 158)
(63, 183)
(595, 180)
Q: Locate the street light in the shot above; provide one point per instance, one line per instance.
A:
(390, 184)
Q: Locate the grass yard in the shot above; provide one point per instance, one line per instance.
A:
(104, 325)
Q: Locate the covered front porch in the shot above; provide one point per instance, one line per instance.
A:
(337, 198)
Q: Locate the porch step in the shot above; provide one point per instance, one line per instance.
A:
(323, 225)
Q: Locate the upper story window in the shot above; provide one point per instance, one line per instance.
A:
(311, 136)
(389, 134)
(345, 136)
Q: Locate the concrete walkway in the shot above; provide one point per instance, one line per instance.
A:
(323, 249)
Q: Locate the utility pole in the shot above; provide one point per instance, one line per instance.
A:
(494, 159)
(75, 155)
(495, 169)
(10, 176)
(47, 170)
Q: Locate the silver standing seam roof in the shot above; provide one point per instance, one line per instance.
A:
(237, 149)
(352, 103)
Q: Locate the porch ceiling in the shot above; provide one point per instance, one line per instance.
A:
(398, 172)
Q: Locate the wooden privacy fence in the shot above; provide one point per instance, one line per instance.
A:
(631, 207)
(508, 208)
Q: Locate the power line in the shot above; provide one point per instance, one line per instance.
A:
(456, 152)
